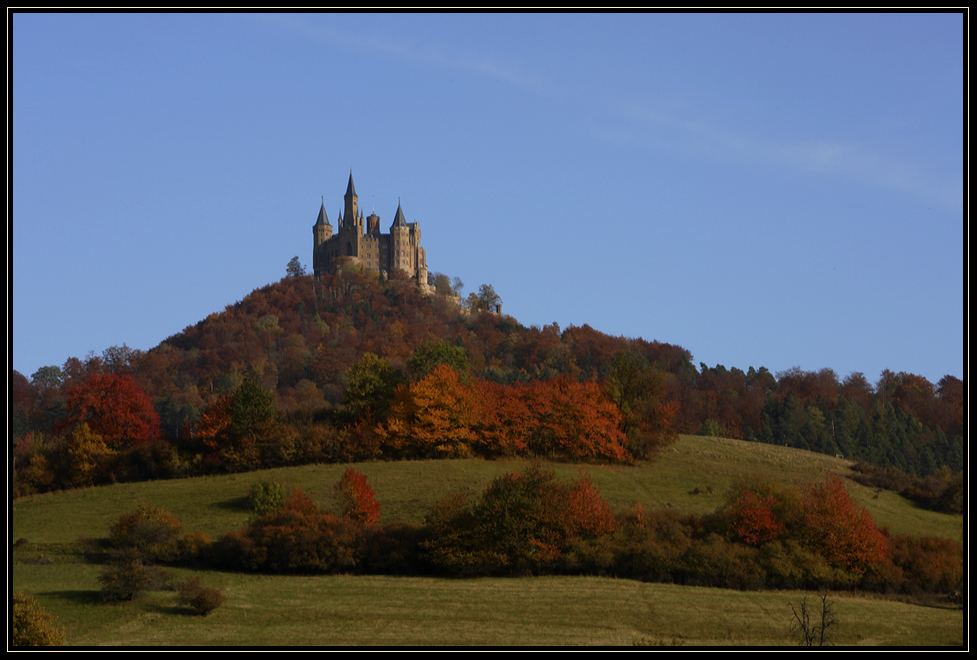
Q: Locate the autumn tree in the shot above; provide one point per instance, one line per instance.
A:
(87, 455)
(114, 407)
(433, 418)
(574, 419)
(840, 529)
(31, 625)
(751, 517)
(356, 499)
(488, 299)
(240, 430)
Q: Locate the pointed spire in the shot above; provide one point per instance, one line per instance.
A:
(350, 188)
(399, 220)
(323, 218)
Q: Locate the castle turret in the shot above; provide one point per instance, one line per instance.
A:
(321, 232)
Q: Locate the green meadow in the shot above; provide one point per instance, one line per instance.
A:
(691, 476)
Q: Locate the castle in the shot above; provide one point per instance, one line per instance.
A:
(359, 241)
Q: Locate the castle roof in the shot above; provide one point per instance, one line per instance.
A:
(350, 188)
(399, 218)
(323, 218)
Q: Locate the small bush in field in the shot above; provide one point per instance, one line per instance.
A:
(356, 498)
(197, 597)
(32, 626)
(149, 530)
(267, 497)
(192, 547)
(128, 577)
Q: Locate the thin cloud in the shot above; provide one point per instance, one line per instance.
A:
(631, 121)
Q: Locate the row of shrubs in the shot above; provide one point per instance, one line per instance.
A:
(529, 523)
(942, 491)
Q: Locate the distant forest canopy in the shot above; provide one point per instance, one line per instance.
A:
(352, 366)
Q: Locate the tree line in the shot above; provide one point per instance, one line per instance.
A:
(350, 365)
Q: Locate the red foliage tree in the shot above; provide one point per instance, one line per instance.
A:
(751, 517)
(843, 531)
(587, 512)
(356, 498)
(114, 407)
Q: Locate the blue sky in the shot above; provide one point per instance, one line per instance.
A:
(763, 190)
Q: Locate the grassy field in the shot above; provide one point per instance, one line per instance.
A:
(338, 610)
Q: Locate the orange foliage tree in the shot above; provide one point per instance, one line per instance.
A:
(573, 419)
(433, 417)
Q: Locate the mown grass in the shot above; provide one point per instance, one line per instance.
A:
(691, 476)
(550, 611)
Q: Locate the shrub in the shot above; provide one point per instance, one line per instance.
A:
(149, 531)
(127, 577)
(31, 625)
(267, 497)
(197, 597)
(193, 547)
(929, 564)
(522, 522)
(297, 538)
(645, 546)
(716, 562)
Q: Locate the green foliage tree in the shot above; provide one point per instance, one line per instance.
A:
(638, 389)
(31, 625)
(488, 299)
(427, 356)
(267, 497)
(252, 410)
(371, 382)
(294, 268)
(47, 377)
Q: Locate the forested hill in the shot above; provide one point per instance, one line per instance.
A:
(301, 341)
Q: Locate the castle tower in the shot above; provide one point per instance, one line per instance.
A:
(400, 242)
(350, 215)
